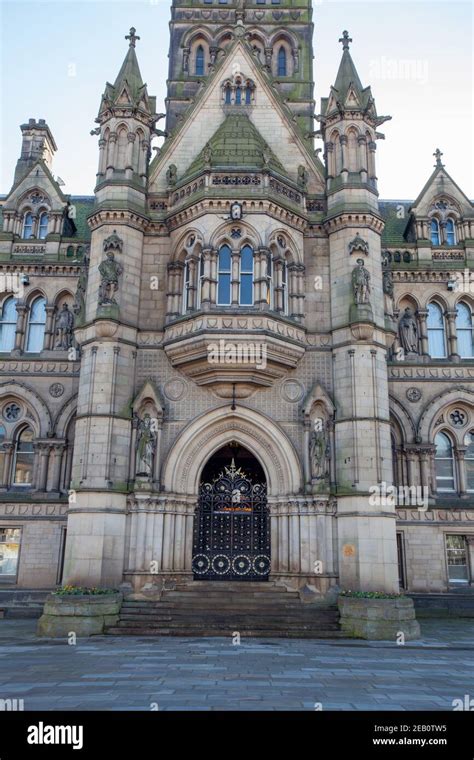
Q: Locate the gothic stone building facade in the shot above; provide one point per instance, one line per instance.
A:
(220, 364)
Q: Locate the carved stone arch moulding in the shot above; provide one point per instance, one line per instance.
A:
(453, 397)
(33, 402)
(403, 418)
(206, 435)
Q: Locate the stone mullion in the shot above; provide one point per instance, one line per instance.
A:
(278, 284)
(452, 334)
(42, 452)
(235, 277)
(422, 316)
(264, 285)
(59, 449)
(20, 326)
(129, 156)
(111, 154)
(300, 298)
(206, 279)
(192, 287)
(49, 328)
(5, 475)
(178, 287)
(292, 286)
(306, 462)
(257, 278)
(362, 143)
(213, 277)
(459, 457)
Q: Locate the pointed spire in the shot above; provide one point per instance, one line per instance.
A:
(347, 74)
(129, 75)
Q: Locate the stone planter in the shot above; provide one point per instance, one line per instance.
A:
(378, 619)
(84, 615)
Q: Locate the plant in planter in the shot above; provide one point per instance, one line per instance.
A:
(377, 615)
(80, 609)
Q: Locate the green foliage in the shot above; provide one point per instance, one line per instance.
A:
(83, 591)
(370, 595)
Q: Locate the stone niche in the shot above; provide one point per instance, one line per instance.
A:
(220, 351)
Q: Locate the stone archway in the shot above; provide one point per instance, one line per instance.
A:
(253, 430)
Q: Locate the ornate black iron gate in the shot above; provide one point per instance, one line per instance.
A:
(232, 529)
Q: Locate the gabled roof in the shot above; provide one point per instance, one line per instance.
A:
(236, 144)
(39, 164)
(128, 86)
(440, 171)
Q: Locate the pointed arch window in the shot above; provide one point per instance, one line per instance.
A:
(224, 276)
(8, 324)
(248, 95)
(436, 332)
(43, 225)
(450, 231)
(435, 236)
(444, 464)
(238, 95)
(23, 458)
(187, 290)
(199, 63)
(228, 95)
(246, 276)
(464, 330)
(27, 232)
(282, 63)
(36, 326)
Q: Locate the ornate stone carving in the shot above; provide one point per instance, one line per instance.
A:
(172, 175)
(63, 330)
(319, 452)
(458, 417)
(408, 331)
(413, 394)
(358, 245)
(303, 177)
(56, 390)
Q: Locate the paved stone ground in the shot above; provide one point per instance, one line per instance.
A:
(125, 673)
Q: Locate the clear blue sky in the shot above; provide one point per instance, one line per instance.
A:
(417, 56)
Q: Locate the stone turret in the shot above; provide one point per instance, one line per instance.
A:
(37, 143)
(366, 526)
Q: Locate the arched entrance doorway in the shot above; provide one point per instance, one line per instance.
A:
(231, 537)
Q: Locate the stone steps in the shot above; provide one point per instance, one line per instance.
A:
(222, 608)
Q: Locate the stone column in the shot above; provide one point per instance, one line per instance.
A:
(362, 142)
(129, 167)
(452, 334)
(102, 157)
(192, 288)
(49, 327)
(111, 155)
(459, 457)
(278, 304)
(206, 280)
(20, 327)
(306, 462)
(235, 277)
(213, 277)
(426, 455)
(58, 449)
(371, 161)
(422, 315)
(42, 451)
(292, 286)
(8, 449)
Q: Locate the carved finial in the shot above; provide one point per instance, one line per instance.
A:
(345, 39)
(132, 36)
(437, 154)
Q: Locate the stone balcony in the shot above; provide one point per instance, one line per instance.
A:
(234, 354)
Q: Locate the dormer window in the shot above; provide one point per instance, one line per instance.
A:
(27, 232)
(435, 236)
(43, 226)
(450, 232)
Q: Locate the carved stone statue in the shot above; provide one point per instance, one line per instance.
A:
(360, 283)
(408, 331)
(266, 156)
(110, 271)
(319, 454)
(172, 175)
(207, 155)
(63, 328)
(303, 177)
(387, 287)
(145, 447)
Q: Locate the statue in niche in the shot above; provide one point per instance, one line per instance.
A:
(303, 177)
(172, 175)
(207, 155)
(361, 283)
(319, 451)
(408, 331)
(110, 271)
(63, 329)
(266, 156)
(387, 287)
(145, 447)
